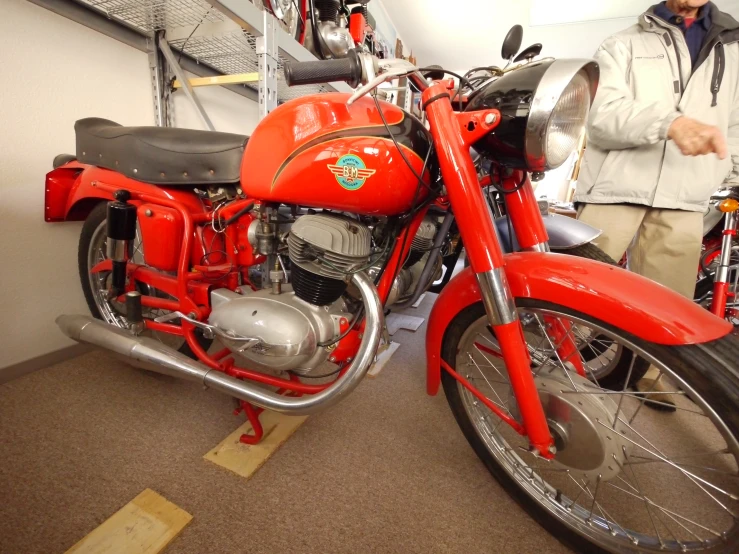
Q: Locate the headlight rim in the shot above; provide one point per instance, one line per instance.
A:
(552, 85)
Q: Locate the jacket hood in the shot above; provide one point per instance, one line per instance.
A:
(718, 18)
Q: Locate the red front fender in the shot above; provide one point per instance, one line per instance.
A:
(613, 295)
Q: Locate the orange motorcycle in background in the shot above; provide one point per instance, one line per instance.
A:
(288, 247)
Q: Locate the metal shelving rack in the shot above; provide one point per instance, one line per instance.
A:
(240, 39)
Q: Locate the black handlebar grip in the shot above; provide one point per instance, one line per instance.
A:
(347, 69)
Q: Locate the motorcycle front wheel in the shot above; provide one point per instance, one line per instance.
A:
(624, 478)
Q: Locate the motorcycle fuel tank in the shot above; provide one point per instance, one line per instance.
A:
(319, 152)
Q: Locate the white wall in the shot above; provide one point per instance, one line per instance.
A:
(459, 36)
(56, 71)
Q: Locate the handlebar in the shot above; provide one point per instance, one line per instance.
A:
(359, 68)
(347, 69)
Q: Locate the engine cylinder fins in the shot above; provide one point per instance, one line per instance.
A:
(422, 242)
(328, 10)
(414, 256)
(329, 245)
(316, 289)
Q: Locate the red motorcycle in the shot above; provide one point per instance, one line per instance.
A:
(286, 246)
(717, 276)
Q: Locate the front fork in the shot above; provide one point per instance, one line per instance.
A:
(721, 280)
(453, 135)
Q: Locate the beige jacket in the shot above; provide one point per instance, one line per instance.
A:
(646, 83)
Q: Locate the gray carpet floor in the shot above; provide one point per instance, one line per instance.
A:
(385, 471)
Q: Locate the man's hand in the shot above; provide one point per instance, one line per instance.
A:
(694, 138)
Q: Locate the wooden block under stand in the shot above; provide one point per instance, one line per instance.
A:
(246, 459)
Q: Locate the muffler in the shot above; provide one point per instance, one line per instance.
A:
(152, 355)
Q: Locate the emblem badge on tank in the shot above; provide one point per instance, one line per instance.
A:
(350, 172)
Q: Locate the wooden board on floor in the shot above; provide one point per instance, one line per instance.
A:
(417, 303)
(384, 353)
(246, 459)
(147, 524)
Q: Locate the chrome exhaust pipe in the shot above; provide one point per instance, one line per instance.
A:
(152, 355)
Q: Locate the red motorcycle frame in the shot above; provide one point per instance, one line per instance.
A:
(652, 313)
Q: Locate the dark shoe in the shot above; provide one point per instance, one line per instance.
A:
(661, 402)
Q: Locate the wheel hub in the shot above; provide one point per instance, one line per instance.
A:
(581, 424)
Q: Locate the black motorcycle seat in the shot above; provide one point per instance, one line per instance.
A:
(161, 155)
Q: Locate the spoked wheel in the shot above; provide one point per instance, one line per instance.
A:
(609, 362)
(96, 286)
(624, 479)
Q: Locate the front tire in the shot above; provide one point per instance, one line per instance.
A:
(579, 506)
(613, 375)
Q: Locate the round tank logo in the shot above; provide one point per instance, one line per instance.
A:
(350, 171)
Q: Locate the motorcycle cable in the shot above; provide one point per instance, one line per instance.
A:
(434, 192)
(341, 366)
(498, 186)
(474, 82)
(356, 319)
(314, 30)
(462, 80)
(402, 154)
(420, 183)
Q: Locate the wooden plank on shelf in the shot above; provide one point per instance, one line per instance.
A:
(236, 79)
(246, 459)
(147, 524)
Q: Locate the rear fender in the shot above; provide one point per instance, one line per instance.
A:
(564, 232)
(59, 185)
(71, 191)
(613, 295)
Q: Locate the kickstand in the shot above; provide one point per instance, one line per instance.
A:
(252, 416)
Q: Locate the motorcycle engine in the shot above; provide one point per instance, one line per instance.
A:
(293, 328)
(324, 249)
(408, 279)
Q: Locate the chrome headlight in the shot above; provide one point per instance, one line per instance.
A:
(544, 108)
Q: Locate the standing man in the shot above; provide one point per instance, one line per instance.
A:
(663, 136)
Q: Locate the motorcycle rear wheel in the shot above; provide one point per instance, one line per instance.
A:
(671, 479)
(92, 251)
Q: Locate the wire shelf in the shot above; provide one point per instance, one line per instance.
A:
(155, 15)
(237, 53)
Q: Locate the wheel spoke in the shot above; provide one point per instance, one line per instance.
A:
(502, 404)
(584, 496)
(641, 494)
(584, 488)
(666, 511)
(694, 478)
(554, 349)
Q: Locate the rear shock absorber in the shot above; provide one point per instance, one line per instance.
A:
(121, 224)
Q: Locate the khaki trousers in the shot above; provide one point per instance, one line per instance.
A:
(662, 245)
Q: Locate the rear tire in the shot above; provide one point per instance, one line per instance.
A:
(587, 250)
(91, 230)
(710, 377)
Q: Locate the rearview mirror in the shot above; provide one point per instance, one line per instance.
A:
(512, 42)
(529, 53)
